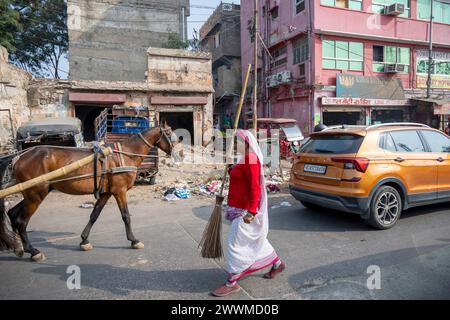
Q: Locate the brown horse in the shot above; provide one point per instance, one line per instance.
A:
(116, 182)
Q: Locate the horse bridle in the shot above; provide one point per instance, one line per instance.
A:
(163, 135)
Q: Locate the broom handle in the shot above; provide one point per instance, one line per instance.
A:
(236, 122)
(51, 175)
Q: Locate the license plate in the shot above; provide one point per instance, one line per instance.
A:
(315, 168)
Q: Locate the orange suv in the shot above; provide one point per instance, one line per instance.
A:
(376, 171)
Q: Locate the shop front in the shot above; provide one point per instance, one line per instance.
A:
(364, 100)
(361, 111)
(433, 112)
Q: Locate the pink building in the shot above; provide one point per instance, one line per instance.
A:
(350, 61)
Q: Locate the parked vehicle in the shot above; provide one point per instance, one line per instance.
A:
(50, 131)
(376, 171)
(117, 124)
(290, 136)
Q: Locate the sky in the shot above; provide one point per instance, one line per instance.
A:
(200, 12)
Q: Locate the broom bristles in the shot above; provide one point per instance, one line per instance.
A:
(211, 242)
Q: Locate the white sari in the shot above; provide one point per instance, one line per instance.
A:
(248, 249)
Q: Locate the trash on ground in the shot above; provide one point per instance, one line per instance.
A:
(272, 188)
(214, 186)
(171, 197)
(87, 205)
(282, 204)
(179, 193)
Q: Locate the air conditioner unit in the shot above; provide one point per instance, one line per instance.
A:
(394, 9)
(271, 81)
(227, 7)
(394, 68)
(284, 76)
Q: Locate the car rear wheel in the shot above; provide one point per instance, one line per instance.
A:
(310, 205)
(385, 208)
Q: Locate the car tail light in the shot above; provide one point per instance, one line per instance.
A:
(359, 164)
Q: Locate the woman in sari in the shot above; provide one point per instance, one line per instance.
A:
(247, 248)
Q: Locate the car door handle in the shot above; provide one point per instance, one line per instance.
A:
(398, 159)
(440, 159)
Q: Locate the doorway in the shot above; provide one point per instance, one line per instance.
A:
(87, 115)
(179, 120)
(338, 118)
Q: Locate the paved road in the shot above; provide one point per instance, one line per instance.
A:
(327, 254)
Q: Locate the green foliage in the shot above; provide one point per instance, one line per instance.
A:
(9, 25)
(42, 39)
(174, 42)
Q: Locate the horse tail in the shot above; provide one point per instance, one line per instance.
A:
(6, 236)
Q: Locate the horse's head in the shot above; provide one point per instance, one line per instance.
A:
(168, 138)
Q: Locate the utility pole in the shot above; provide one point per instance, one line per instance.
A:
(430, 51)
(255, 64)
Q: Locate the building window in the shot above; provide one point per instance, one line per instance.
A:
(274, 13)
(342, 55)
(384, 55)
(441, 10)
(278, 52)
(279, 56)
(300, 48)
(217, 40)
(378, 6)
(349, 4)
(278, 62)
(302, 69)
(299, 6)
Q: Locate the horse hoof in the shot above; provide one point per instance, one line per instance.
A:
(19, 253)
(137, 245)
(38, 257)
(86, 247)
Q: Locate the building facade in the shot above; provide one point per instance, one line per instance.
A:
(350, 61)
(178, 89)
(108, 39)
(220, 36)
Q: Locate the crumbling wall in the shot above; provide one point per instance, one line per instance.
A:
(48, 98)
(108, 39)
(185, 73)
(179, 70)
(13, 96)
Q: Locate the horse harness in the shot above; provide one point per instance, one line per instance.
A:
(122, 168)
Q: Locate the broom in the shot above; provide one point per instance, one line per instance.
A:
(211, 241)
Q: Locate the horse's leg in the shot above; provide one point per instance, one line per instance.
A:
(12, 214)
(32, 199)
(121, 199)
(85, 245)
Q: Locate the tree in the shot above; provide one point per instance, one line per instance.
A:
(174, 42)
(9, 25)
(43, 39)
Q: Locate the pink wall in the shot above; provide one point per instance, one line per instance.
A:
(367, 23)
(340, 24)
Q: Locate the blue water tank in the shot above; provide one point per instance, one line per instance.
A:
(129, 124)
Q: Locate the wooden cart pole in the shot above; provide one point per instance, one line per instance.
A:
(255, 64)
(235, 125)
(51, 175)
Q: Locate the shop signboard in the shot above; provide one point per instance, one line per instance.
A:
(363, 102)
(356, 86)
(442, 82)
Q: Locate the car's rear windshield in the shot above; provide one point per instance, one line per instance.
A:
(333, 144)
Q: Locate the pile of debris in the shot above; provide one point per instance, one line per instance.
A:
(177, 181)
